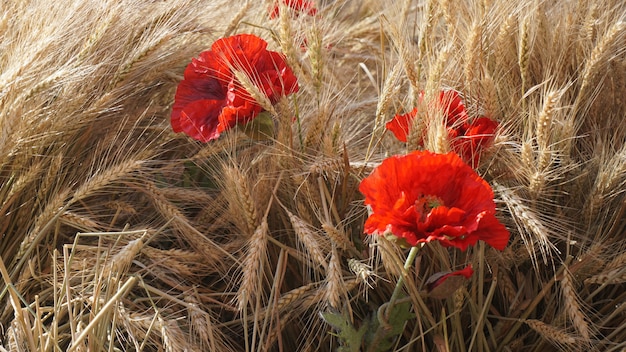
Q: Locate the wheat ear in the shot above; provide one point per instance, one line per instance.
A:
(101, 179)
(53, 209)
(338, 237)
(572, 306)
(524, 54)
(200, 321)
(609, 176)
(239, 196)
(248, 83)
(317, 128)
(363, 272)
(334, 280)
(490, 96)
(316, 58)
(390, 88)
(180, 222)
(406, 55)
(592, 65)
(550, 333)
(253, 266)
(236, 21)
(309, 239)
(473, 51)
(613, 276)
(527, 222)
(544, 127)
(120, 262)
(286, 37)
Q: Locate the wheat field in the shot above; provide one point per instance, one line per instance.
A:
(120, 235)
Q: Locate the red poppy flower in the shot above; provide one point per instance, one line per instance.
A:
(467, 139)
(422, 197)
(210, 100)
(303, 6)
(400, 124)
(472, 138)
(453, 107)
(449, 100)
(443, 284)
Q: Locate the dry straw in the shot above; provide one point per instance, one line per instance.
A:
(86, 94)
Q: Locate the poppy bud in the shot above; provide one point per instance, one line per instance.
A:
(444, 284)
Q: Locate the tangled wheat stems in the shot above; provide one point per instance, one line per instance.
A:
(118, 234)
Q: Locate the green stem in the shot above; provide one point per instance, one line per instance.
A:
(396, 291)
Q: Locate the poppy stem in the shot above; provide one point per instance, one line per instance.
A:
(396, 291)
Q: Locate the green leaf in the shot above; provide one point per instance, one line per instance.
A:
(350, 338)
(381, 337)
(398, 317)
(261, 128)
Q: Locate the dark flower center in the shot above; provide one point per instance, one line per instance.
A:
(210, 89)
(424, 204)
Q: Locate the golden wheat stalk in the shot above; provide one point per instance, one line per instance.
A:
(613, 276)
(119, 264)
(240, 198)
(602, 49)
(572, 306)
(253, 267)
(334, 280)
(531, 228)
(201, 322)
(106, 177)
(309, 239)
(551, 333)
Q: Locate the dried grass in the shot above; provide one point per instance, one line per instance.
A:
(118, 234)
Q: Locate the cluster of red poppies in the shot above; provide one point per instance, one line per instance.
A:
(446, 200)
(414, 198)
(467, 136)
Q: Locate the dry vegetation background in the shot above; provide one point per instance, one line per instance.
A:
(118, 235)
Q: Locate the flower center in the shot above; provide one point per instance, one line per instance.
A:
(424, 204)
(432, 202)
